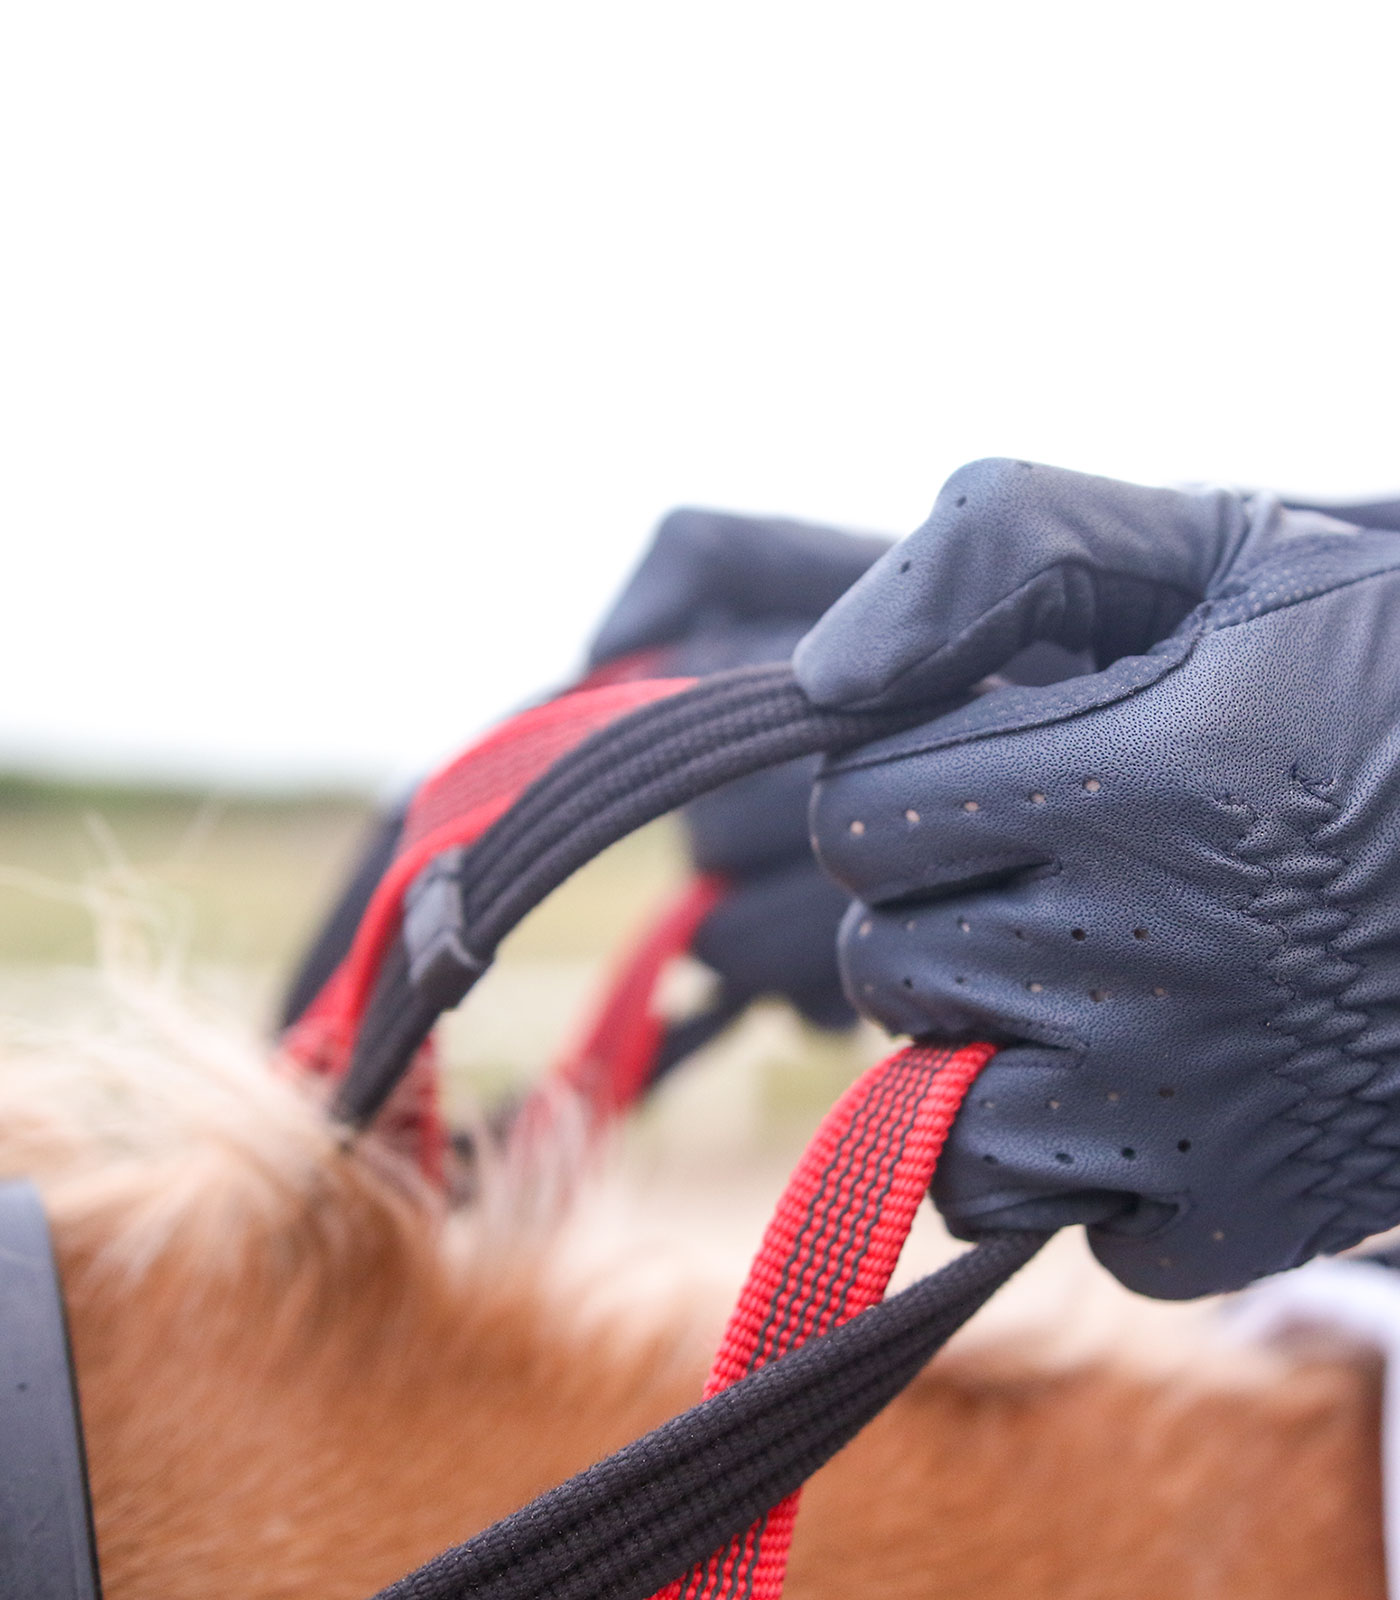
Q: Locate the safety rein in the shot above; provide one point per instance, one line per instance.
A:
(702, 1508)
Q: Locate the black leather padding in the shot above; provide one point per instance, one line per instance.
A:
(47, 1546)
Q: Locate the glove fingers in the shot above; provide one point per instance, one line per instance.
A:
(1051, 1135)
(1014, 1154)
(1042, 1138)
(776, 934)
(755, 823)
(898, 823)
(951, 970)
(708, 567)
(1012, 554)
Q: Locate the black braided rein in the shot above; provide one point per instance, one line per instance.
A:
(627, 774)
(625, 1527)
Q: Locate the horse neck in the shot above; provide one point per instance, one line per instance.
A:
(313, 1401)
(309, 1400)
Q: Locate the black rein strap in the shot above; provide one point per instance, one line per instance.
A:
(635, 770)
(629, 1525)
(636, 1521)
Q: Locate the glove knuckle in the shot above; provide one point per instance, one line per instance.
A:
(684, 529)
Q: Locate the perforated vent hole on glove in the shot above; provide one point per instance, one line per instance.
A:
(911, 817)
(1092, 785)
(1183, 1145)
(1078, 933)
(1139, 933)
(1037, 798)
(1128, 1153)
(1166, 1092)
(1159, 992)
(971, 805)
(1064, 1158)
(1098, 995)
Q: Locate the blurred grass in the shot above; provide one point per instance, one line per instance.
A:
(251, 877)
(243, 881)
(246, 876)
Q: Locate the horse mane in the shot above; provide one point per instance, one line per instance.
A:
(167, 1134)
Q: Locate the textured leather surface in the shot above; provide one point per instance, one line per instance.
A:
(1363, 513)
(719, 590)
(1170, 887)
(775, 934)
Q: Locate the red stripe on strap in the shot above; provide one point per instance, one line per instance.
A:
(604, 1075)
(828, 1255)
(455, 807)
(612, 1065)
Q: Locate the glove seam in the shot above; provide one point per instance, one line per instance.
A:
(1219, 618)
(1210, 619)
(1003, 603)
(882, 896)
(1052, 715)
(1320, 1032)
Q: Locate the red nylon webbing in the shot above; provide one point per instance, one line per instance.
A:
(455, 807)
(828, 1254)
(607, 1072)
(612, 1065)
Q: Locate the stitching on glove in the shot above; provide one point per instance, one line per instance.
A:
(1010, 601)
(1307, 972)
(1306, 576)
(1059, 703)
(1065, 705)
(903, 889)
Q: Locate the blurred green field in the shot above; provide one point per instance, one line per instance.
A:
(234, 885)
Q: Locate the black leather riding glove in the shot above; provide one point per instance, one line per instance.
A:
(714, 591)
(1170, 888)
(709, 571)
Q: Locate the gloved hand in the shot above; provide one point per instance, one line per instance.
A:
(713, 572)
(1170, 888)
(1361, 513)
(714, 591)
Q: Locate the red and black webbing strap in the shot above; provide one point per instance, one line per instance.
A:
(828, 1255)
(628, 1043)
(705, 1504)
(457, 906)
(703, 1507)
(449, 812)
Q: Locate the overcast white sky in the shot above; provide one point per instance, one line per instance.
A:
(348, 352)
